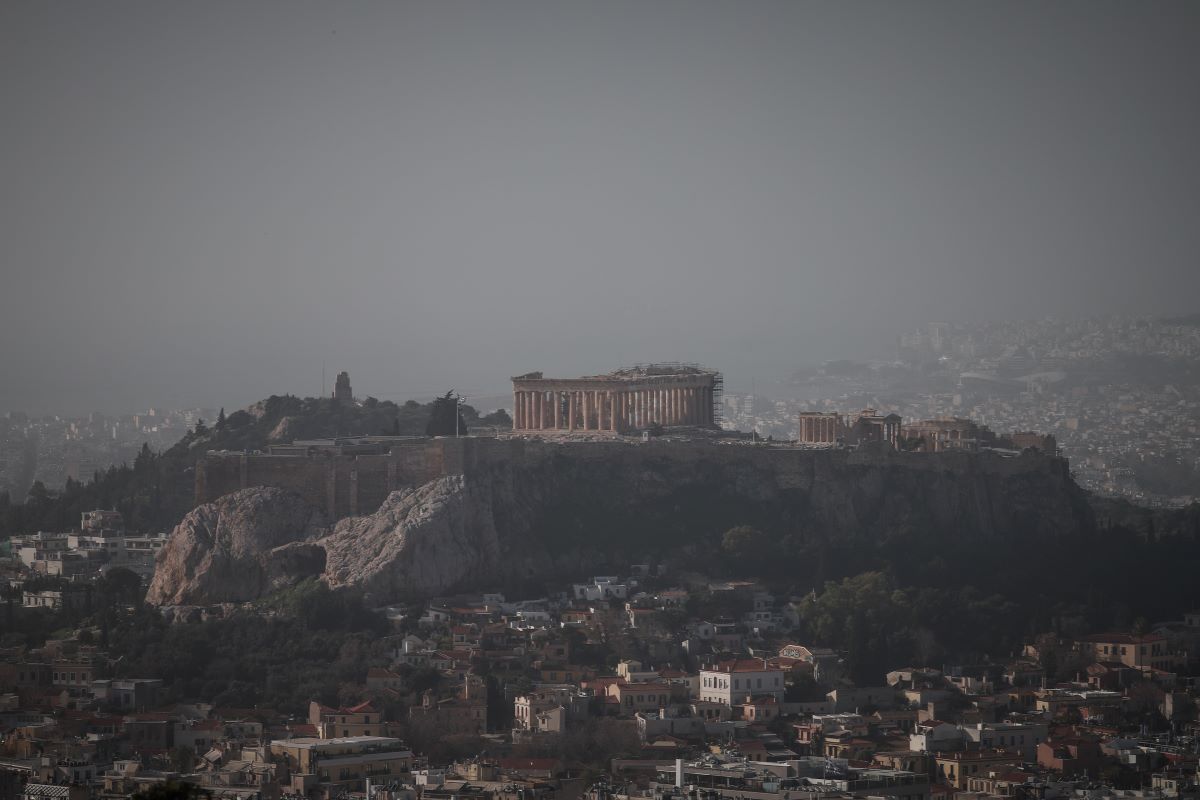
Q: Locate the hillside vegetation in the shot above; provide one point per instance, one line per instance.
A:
(158, 489)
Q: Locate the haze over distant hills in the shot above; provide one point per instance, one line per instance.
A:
(205, 203)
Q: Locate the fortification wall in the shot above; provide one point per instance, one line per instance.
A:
(354, 485)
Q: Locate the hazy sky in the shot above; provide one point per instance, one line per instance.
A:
(201, 202)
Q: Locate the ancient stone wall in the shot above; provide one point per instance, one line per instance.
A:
(348, 485)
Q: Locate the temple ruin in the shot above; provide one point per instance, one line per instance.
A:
(665, 395)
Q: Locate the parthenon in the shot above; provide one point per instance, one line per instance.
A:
(666, 395)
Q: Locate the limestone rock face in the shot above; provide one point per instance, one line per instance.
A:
(238, 548)
(420, 542)
(282, 431)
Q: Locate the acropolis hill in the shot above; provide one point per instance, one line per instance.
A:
(439, 514)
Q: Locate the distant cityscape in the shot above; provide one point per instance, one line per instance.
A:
(51, 449)
(1121, 395)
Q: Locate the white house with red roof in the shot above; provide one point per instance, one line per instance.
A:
(732, 683)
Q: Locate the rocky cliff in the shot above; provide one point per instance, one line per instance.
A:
(238, 548)
(526, 511)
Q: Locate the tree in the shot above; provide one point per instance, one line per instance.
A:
(10, 593)
(743, 541)
(749, 549)
(183, 758)
(498, 418)
(444, 417)
(38, 494)
(121, 586)
(144, 459)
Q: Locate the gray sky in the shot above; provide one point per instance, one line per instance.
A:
(201, 202)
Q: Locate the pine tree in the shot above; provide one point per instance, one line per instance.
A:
(444, 417)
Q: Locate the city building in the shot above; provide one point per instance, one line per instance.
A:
(342, 764)
(733, 683)
(1146, 652)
